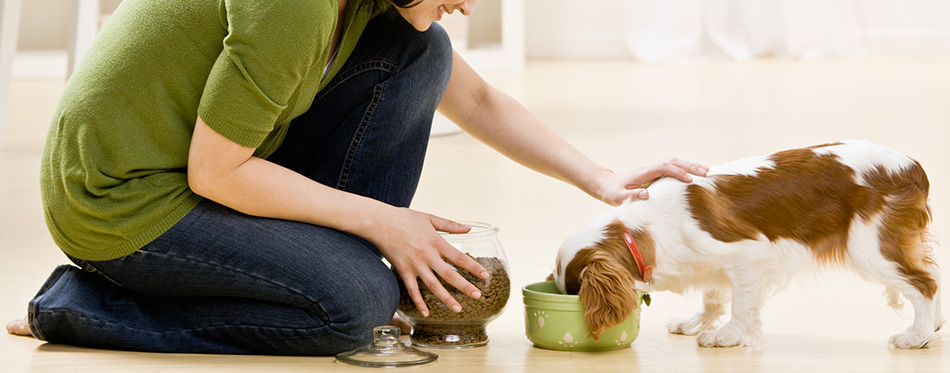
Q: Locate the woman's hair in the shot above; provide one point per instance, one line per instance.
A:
(404, 3)
(380, 4)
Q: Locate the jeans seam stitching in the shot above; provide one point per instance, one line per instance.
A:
(33, 306)
(33, 311)
(352, 150)
(366, 66)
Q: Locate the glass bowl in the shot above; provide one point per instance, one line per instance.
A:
(444, 328)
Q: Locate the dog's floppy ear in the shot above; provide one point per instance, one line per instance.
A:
(607, 291)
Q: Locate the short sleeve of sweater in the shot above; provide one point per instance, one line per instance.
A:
(269, 48)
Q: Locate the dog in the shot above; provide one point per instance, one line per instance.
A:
(740, 233)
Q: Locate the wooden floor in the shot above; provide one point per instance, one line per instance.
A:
(623, 115)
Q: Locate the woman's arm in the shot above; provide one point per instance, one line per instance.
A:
(228, 173)
(500, 121)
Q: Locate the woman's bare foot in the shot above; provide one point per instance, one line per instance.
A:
(19, 327)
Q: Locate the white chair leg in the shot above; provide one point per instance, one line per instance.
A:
(9, 28)
(85, 27)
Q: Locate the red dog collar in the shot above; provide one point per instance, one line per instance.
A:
(646, 272)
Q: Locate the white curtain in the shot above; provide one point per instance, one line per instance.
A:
(697, 30)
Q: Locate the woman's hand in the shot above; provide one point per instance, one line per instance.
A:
(415, 249)
(618, 187)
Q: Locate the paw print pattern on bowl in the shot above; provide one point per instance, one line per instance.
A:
(568, 341)
(541, 315)
(622, 340)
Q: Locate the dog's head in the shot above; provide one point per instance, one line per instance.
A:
(597, 265)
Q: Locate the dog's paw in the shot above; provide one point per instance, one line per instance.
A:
(690, 326)
(725, 337)
(911, 339)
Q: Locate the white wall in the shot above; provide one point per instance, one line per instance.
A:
(906, 26)
(591, 28)
(594, 28)
(571, 28)
(43, 24)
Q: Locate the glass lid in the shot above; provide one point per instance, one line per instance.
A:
(386, 351)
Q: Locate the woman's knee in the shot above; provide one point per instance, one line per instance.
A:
(430, 49)
(376, 298)
(365, 305)
(438, 51)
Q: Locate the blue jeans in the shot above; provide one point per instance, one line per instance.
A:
(223, 282)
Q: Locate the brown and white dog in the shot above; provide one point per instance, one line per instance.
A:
(741, 232)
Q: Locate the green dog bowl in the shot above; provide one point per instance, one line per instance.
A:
(555, 321)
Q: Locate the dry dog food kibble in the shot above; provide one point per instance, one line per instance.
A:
(446, 328)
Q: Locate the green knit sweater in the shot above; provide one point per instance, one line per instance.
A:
(113, 172)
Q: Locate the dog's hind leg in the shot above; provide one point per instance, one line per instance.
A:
(917, 287)
(922, 330)
(714, 306)
(939, 319)
(898, 256)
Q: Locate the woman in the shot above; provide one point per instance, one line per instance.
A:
(227, 177)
